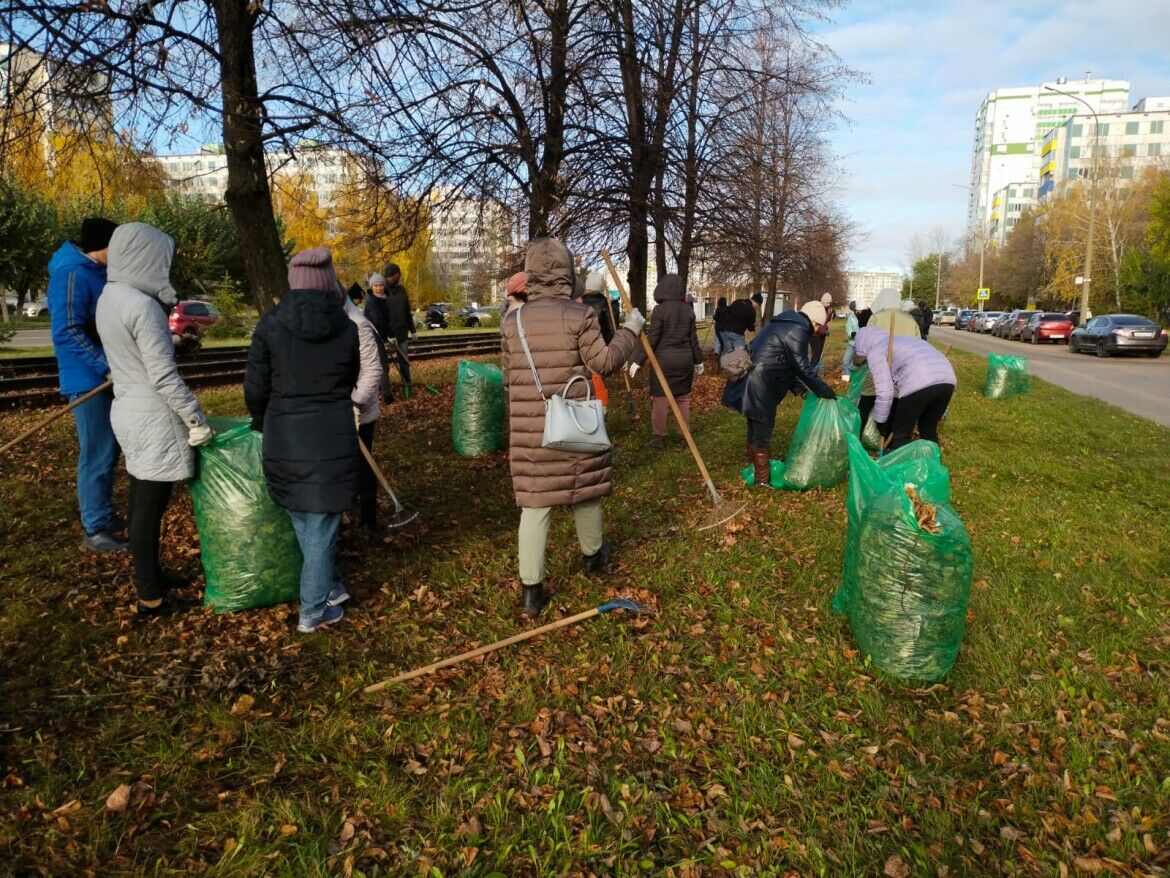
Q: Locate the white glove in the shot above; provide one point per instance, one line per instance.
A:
(699, 368)
(633, 368)
(357, 417)
(200, 434)
(634, 321)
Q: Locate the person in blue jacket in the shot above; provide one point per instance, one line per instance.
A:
(77, 274)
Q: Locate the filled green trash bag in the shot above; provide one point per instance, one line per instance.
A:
(1006, 376)
(249, 550)
(477, 424)
(817, 454)
(859, 381)
(908, 563)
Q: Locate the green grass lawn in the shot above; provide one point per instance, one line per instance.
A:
(736, 732)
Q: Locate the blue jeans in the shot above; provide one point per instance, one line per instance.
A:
(96, 459)
(731, 341)
(847, 360)
(317, 535)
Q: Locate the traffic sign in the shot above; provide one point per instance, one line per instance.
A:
(983, 293)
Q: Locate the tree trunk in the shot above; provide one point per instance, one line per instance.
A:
(248, 195)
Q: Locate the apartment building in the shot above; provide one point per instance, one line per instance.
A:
(1007, 206)
(324, 172)
(865, 286)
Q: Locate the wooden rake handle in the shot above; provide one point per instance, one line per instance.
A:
(483, 650)
(682, 424)
(61, 412)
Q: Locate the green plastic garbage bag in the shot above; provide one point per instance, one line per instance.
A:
(1006, 376)
(817, 456)
(477, 424)
(871, 437)
(249, 550)
(908, 563)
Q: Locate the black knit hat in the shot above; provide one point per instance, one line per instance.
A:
(96, 232)
(390, 270)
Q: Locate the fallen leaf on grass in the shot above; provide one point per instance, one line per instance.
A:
(895, 868)
(243, 705)
(74, 805)
(288, 830)
(346, 833)
(119, 799)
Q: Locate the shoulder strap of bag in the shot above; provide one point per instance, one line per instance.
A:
(528, 353)
(890, 343)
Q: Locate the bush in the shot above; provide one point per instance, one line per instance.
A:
(456, 321)
(233, 313)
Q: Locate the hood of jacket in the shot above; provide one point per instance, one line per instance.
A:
(140, 257)
(596, 282)
(793, 317)
(669, 289)
(70, 258)
(312, 315)
(548, 268)
(886, 299)
(868, 340)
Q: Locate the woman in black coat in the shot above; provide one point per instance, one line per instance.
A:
(672, 336)
(780, 357)
(303, 365)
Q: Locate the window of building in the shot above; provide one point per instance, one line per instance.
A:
(1131, 127)
(1077, 130)
(1102, 129)
(1155, 149)
(1129, 150)
(1156, 127)
(1127, 172)
(1074, 152)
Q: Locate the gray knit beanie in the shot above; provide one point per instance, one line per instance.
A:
(312, 270)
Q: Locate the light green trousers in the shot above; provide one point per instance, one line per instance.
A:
(534, 525)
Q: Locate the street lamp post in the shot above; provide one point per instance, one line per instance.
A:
(1088, 278)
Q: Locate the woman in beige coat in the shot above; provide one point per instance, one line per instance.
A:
(565, 340)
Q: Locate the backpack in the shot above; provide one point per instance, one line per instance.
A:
(736, 364)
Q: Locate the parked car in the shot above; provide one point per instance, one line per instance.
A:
(1015, 322)
(946, 317)
(1002, 321)
(983, 322)
(473, 317)
(1049, 326)
(36, 309)
(437, 315)
(963, 317)
(1119, 334)
(192, 316)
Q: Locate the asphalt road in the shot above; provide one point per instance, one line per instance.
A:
(1140, 385)
(31, 338)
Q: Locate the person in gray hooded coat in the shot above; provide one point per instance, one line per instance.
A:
(156, 418)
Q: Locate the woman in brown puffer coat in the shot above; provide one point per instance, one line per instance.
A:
(672, 335)
(565, 340)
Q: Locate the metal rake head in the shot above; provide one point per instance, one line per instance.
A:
(624, 604)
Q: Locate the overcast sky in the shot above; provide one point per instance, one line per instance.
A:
(930, 63)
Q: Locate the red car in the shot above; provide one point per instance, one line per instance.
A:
(191, 316)
(1047, 326)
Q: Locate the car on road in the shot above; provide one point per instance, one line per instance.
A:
(1015, 322)
(1111, 334)
(1000, 322)
(963, 317)
(983, 322)
(36, 309)
(191, 316)
(1047, 326)
(437, 315)
(473, 317)
(946, 317)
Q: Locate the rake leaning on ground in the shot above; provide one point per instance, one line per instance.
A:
(61, 412)
(723, 511)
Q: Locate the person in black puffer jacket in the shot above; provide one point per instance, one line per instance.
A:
(388, 309)
(302, 368)
(671, 333)
(780, 356)
(597, 297)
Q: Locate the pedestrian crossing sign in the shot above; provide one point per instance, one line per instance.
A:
(983, 293)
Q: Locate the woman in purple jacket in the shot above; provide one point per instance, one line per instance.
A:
(914, 373)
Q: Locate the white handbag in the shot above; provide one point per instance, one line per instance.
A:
(569, 424)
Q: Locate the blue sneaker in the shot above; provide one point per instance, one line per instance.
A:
(337, 596)
(329, 617)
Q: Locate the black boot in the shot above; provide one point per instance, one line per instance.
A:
(533, 599)
(596, 563)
